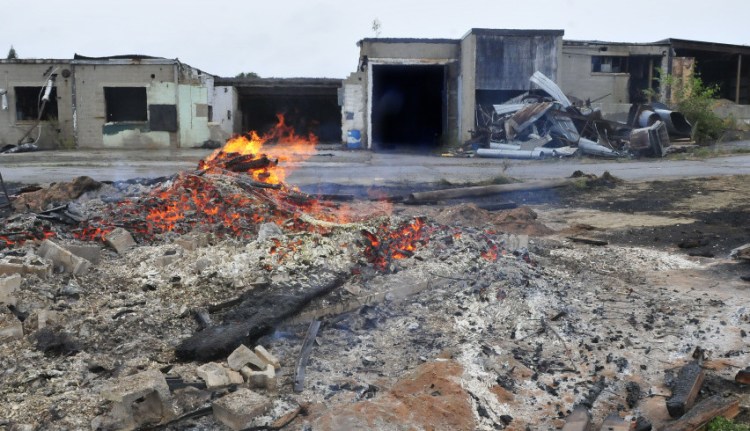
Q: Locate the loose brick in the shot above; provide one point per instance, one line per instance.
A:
(63, 258)
(140, 399)
(243, 356)
(217, 376)
(238, 409)
(267, 357)
(8, 287)
(90, 252)
(265, 379)
(120, 240)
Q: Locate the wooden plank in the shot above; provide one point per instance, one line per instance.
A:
(704, 411)
(464, 192)
(590, 241)
(687, 386)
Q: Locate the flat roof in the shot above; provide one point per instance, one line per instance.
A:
(707, 46)
(602, 42)
(405, 40)
(514, 32)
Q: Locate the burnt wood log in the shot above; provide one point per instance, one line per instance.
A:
(260, 311)
(589, 241)
(686, 388)
(578, 420)
(743, 376)
(704, 411)
(465, 192)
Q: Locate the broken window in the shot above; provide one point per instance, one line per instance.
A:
(29, 102)
(125, 104)
(609, 64)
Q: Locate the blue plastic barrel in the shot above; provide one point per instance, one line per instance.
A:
(353, 139)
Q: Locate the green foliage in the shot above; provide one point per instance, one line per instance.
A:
(721, 424)
(12, 54)
(247, 75)
(696, 100)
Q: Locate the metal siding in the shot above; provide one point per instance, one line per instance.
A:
(507, 62)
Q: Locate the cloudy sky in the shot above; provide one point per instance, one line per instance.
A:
(317, 38)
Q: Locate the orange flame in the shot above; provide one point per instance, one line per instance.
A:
(399, 243)
(280, 142)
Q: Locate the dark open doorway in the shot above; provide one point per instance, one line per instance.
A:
(408, 106)
(316, 114)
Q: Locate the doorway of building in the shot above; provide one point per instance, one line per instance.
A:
(408, 106)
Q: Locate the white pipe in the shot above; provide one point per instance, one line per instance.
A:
(47, 90)
(4, 95)
(536, 153)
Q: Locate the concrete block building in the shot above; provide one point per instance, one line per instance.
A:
(424, 92)
(111, 102)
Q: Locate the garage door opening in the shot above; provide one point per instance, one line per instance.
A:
(315, 114)
(408, 106)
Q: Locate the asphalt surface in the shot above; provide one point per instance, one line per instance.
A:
(361, 168)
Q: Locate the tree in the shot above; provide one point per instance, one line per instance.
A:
(695, 99)
(12, 54)
(247, 75)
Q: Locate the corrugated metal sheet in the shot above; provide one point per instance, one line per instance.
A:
(507, 62)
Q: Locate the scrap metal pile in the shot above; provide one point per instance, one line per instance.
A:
(536, 126)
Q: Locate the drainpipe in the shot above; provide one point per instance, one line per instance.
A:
(74, 103)
(739, 78)
(177, 100)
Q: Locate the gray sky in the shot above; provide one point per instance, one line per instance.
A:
(317, 38)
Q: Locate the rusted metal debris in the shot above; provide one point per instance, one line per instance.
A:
(536, 126)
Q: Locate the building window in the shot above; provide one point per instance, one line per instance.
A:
(125, 104)
(29, 101)
(609, 64)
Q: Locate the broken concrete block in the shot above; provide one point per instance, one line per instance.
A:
(265, 379)
(140, 399)
(741, 252)
(243, 356)
(269, 230)
(9, 268)
(40, 319)
(10, 327)
(686, 388)
(90, 252)
(577, 420)
(613, 422)
(8, 287)
(63, 258)
(238, 409)
(217, 376)
(167, 259)
(39, 268)
(120, 240)
(267, 357)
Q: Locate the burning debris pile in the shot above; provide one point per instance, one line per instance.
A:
(226, 299)
(534, 126)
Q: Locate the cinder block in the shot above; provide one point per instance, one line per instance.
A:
(90, 252)
(10, 327)
(120, 240)
(265, 379)
(166, 259)
(63, 258)
(39, 268)
(9, 268)
(8, 287)
(140, 399)
(217, 376)
(267, 357)
(238, 409)
(243, 356)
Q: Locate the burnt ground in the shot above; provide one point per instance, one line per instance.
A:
(448, 339)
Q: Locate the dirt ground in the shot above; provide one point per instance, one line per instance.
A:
(499, 321)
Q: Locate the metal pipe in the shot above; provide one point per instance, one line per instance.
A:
(593, 149)
(536, 153)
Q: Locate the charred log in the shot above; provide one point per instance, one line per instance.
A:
(255, 317)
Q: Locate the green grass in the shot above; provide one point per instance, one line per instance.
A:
(721, 424)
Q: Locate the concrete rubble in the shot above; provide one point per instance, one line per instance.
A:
(480, 322)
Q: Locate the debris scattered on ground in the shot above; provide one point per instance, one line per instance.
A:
(195, 315)
(545, 123)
